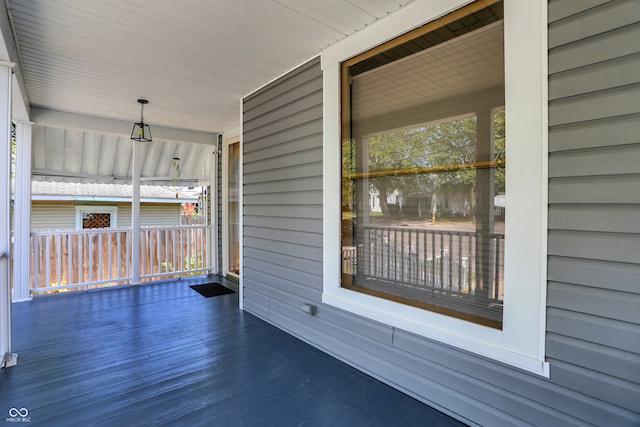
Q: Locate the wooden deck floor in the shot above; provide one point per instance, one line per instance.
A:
(164, 355)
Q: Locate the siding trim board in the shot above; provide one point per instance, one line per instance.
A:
(593, 264)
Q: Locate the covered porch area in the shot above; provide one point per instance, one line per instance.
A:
(162, 354)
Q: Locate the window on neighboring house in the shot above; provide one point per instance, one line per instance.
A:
(96, 217)
(437, 140)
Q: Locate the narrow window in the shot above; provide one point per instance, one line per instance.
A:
(232, 209)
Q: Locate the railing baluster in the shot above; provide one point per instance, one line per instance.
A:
(166, 251)
(189, 238)
(36, 259)
(433, 261)
(402, 257)
(91, 249)
(370, 244)
(69, 259)
(80, 257)
(100, 257)
(58, 252)
(441, 265)
(389, 247)
(180, 260)
(118, 255)
(48, 260)
(175, 248)
(158, 261)
(424, 257)
(127, 264)
(450, 263)
(496, 270)
(144, 244)
(203, 249)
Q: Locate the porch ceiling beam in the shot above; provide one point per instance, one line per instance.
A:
(61, 119)
(158, 179)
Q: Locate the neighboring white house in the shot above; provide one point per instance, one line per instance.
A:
(70, 205)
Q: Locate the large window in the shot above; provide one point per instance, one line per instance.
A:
(419, 168)
(436, 141)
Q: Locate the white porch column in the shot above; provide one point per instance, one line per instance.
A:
(6, 357)
(22, 213)
(135, 213)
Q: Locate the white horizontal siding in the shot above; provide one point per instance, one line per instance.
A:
(151, 214)
(53, 216)
(56, 216)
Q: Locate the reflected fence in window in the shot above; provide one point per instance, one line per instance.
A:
(63, 260)
(449, 263)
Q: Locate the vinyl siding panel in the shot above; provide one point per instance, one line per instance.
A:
(151, 214)
(616, 334)
(595, 357)
(53, 216)
(559, 9)
(611, 189)
(584, 22)
(594, 202)
(282, 183)
(615, 247)
(601, 133)
(596, 161)
(594, 106)
(613, 44)
(597, 302)
(594, 273)
(600, 76)
(611, 219)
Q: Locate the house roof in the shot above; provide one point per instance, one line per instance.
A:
(73, 191)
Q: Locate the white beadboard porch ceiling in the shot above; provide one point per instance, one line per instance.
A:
(192, 59)
(81, 156)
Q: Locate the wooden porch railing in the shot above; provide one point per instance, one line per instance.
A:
(84, 259)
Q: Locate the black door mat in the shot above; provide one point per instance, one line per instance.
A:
(211, 290)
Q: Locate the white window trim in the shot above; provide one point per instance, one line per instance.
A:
(112, 210)
(521, 342)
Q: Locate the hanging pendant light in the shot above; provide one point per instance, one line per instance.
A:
(141, 131)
